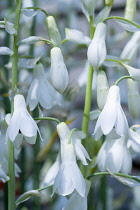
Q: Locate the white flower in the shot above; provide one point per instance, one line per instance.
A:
(131, 47)
(41, 91)
(64, 132)
(76, 201)
(114, 155)
(111, 116)
(21, 121)
(97, 49)
(58, 72)
(69, 177)
(134, 73)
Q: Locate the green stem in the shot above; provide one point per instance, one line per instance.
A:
(117, 174)
(120, 79)
(36, 166)
(87, 102)
(70, 135)
(47, 118)
(40, 9)
(11, 169)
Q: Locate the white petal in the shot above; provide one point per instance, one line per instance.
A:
(121, 124)
(27, 125)
(14, 126)
(46, 95)
(64, 181)
(31, 140)
(78, 180)
(108, 117)
(32, 99)
(18, 140)
(127, 161)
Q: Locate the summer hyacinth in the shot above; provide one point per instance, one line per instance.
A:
(21, 121)
(114, 155)
(111, 116)
(41, 91)
(97, 49)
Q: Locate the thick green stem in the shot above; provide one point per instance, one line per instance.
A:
(87, 101)
(11, 169)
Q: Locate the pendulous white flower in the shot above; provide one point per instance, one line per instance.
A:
(134, 73)
(58, 71)
(76, 201)
(114, 155)
(97, 49)
(64, 132)
(41, 91)
(69, 177)
(21, 121)
(111, 116)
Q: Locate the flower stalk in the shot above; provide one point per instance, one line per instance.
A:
(11, 183)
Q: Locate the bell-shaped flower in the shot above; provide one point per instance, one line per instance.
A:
(21, 121)
(114, 155)
(69, 177)
(53, 31)
(41, 91)
(133, 98)
(97, 49)
(76, 201)
(102, 89)
(58, 71)
(64, 134)
(131, 47)
(134, 73)
(111, 116)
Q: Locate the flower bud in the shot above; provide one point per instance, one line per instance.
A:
(109, 2)
(130, 10)
(58, 72)
(97, 49)
(63, 131)
(53, 31)
(102, 89)
(134, 73)
(133, 98)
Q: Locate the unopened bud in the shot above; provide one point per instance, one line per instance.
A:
(102, 89)
(53, 31)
